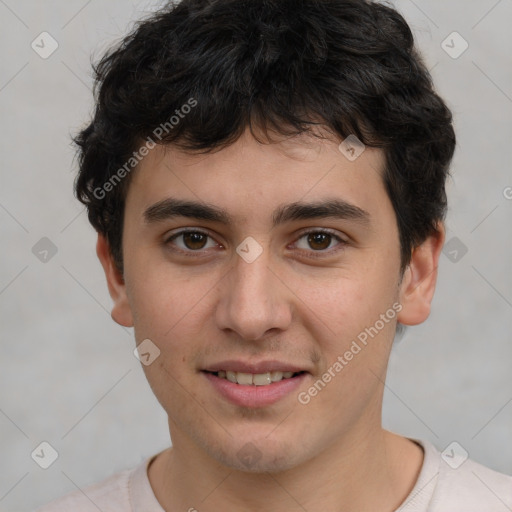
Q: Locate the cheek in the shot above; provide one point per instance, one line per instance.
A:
(343, 305)
(345, 321)
(175, 393)
(165, 300)
(355, 344)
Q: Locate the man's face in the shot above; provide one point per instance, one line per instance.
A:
(294, 297)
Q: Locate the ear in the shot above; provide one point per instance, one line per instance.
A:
(121, 311)
(419, 279)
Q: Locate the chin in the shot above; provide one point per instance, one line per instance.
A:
(257, 456)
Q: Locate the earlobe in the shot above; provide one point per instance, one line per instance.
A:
(121, 311)
(419, 280)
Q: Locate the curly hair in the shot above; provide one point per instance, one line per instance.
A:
(284, 66)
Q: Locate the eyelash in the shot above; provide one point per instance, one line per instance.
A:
(314, 254)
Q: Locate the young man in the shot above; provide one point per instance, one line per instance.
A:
(267, 179)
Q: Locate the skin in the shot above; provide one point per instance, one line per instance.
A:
(331, 454)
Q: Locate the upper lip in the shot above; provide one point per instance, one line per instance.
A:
(255, 367)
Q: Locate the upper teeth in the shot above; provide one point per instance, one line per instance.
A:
(258, 379)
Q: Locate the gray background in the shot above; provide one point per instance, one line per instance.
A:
(67, 372)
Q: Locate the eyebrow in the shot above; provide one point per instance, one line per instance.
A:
(328, 208)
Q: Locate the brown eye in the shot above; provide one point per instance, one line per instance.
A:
(194, 240)
(190, 241)
(319, 241)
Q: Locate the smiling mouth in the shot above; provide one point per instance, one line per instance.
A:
(254, 379)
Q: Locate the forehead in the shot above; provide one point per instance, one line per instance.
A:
(249, 178)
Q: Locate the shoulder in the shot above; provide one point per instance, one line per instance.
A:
(111, 494)
(463, 485)
(472, 487)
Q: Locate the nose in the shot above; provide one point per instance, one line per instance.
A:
(253, 299)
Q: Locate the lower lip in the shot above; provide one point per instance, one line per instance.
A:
(255, 396)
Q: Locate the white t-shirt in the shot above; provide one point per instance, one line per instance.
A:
(439, 488)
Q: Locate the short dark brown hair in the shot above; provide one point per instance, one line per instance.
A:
(283, 65)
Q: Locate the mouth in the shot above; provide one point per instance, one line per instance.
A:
(254, 379)
(255, 389)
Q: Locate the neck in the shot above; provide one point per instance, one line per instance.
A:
(375, 470)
